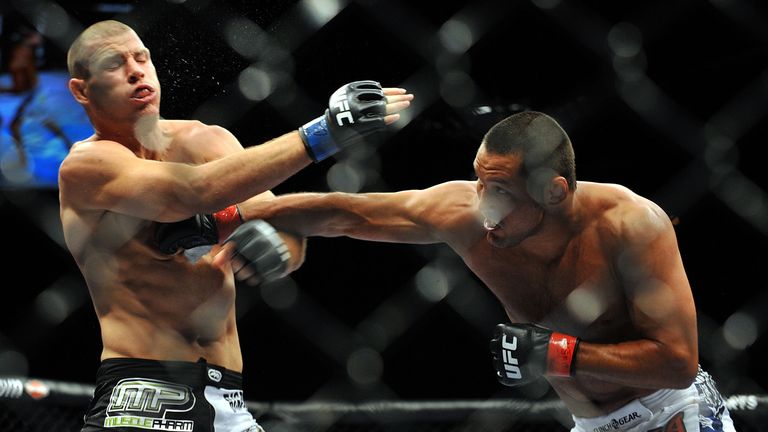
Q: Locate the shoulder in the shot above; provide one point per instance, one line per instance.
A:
(626, 216)
(94, 151)
(201, 140)
(450, 194)
(193, 128)
(451, 205)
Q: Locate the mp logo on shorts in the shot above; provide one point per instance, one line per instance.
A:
(510, 363)
(144, 403)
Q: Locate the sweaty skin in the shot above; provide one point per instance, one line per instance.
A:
(152, 305)
(138, 168)
(600, 263)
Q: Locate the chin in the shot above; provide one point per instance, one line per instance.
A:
(501, 242)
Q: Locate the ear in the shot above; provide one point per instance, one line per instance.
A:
(557, 191)
(77, 88)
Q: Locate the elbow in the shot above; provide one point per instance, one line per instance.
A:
(684, 366)
(191, 195)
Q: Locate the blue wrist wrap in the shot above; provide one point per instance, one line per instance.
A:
(317, 139)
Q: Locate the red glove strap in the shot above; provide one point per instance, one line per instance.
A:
(560, 354)
(227, 220)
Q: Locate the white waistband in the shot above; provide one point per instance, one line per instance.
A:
(639, 410)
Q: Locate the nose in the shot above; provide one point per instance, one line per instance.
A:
(494, 210)
(135, 71)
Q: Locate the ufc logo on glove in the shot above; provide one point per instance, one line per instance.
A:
(510, 363)
(531, 348)
(340, 102)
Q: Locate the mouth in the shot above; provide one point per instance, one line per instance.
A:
(490, 226)
(143, 93)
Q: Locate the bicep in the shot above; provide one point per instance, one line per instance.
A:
(657, 288)
(114, 179)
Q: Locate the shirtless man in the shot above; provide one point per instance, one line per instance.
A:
(589, 274)
(142, 189)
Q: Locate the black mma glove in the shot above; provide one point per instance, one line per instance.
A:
(355, 112)
(199, 230)
(261, 249)
(524, 352)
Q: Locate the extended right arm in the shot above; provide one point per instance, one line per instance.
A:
(414, 216)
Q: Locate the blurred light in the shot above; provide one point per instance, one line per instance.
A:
(740, 330)
(13, 363)
(640, 95)
(375, 333)
(654, 298)
(456, 36)
(630, 68)
(625, 40)
(283, 89)
(365, 366)
(53, 306)
(720, 154)
(457, 88)
(585, 304)
(745, 198)
(243, 36)
(320, 11)
(432, 283)
(13, 171)
(52, 21)
(480, 110)
(345, 177)
(280, 294)
(255, 84)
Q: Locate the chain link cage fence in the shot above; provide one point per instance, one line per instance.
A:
(666, 97)
(32, 405)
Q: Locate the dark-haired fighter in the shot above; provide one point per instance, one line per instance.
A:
(589, 274)
(143, 189)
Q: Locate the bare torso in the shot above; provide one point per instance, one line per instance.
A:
(574, 291)
(152, 305)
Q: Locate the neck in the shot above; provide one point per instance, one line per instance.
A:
(558, 228)
(144, 137)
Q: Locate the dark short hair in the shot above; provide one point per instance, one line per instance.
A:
(543, 144)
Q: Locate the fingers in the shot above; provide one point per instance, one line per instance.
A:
(223, 256)
(245, 273)
(394, 108)
(398, 99)
(393, 90)
(391, 118)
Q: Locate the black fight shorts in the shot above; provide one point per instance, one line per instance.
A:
(134, 395)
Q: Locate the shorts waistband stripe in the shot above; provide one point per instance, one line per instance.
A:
(194, 374)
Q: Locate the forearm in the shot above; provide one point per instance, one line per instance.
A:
(235, 178)
(306, 214)
(642, 363)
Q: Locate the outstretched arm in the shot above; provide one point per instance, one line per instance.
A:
(105, 175)
(413, 216)
(387, 217)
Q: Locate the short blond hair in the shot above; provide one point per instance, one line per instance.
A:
(79, 54)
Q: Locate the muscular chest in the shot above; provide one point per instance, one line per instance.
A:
(576, 293)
